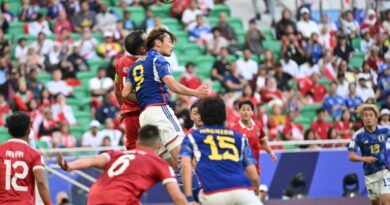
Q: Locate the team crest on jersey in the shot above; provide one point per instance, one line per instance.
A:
(381, 138)
(126, 69)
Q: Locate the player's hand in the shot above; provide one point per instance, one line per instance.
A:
(120, 117)
(202, 91)
(273, 157)
(62, 163)
(369, 160)
(192, 203)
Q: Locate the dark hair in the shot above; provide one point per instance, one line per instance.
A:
(320, 110)
(148, 135)
(212, 111)
(195, 105)
(189, 64)
(216, 29)
(246, 102)
(158, 33)
(134, 42)
(18, 124)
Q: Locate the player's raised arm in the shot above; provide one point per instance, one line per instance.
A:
(178, 88)
(39, 175)
(99, 162)
(250, 169)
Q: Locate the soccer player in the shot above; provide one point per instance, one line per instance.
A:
(225, 164)
(128, 174)
(195, 116)
(21, 165)
(372, 139)
(135, 47)
(150, 77)
(255, 135)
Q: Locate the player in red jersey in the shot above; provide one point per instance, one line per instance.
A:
(135, 46)
(21, 165)
(255, 135)
(128, 174)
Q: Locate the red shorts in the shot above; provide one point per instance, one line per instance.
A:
(131, 121)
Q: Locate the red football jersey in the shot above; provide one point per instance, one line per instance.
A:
(17, 182)
(254, 134)
(128, 175)
(123, 66)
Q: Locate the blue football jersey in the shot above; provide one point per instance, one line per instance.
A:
(222, 156)
(372, 144)
(146, 78)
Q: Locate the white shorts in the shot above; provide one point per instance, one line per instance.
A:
(378, 184)
(233, 197)
(170, 130)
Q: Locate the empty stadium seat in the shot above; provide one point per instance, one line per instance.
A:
(4, 136)
(137, 14)
(172, 24)
(162, 10)
(16, 28)
(274, 45)
(220, 8)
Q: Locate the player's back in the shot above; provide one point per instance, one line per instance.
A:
(146, 77)
(17, 182)
(127, 176)
(220, 155)
(123, 66)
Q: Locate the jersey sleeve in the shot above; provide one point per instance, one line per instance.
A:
(262, 135)
(165, 173)
(162, 67)
(353, 145)
(37, 162)
(247, 155)
(187, 149)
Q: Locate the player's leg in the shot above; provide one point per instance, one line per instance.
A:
(131, 126)
(244, 197)
(373, 187)
(385, 188)
(221, 198)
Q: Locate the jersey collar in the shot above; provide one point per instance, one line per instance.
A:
(244, 126)
(17, 140)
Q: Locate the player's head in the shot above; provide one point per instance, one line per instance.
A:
(369, 113)
(213, 111)
(246, 110)
(195, 115)
(161, 40)
(18, 125)
(135, 43)
(149, 136)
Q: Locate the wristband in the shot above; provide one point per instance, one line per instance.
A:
(190, 198)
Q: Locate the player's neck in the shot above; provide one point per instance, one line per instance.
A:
(370, 128)
(247, 123)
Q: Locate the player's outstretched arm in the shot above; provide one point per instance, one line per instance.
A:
(127, 89)
(99, 162)
(177, 197)
(186, 172)
(118, 94)
(356, 158)
(178, 88)
(39, 175)
(251, 172)
(267, 148)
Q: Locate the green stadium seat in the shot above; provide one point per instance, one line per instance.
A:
(83, 118)
(4, 136)
(41, 144)
(217, 86)
(44, 77)
(236, 23)
(80, 92)
(220, 8)
(94, 64)
(192, 49)
(310, 110)
(172, 24)
(183, 60)
(274, 45)
(232, 58)
(305, 121)
(117, 11)
(177, 74)
(16, 28)
(137, 14)
(163, 10)
(78, 131)
(240, 37)
(204, 65)
(325, 81)
(75, 36)
(109, 3)
(98, 36)
(14, 6)
(356, 62)
(182, 36)
(356, 43)
(268, 33)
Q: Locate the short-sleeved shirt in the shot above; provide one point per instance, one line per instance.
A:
(222, 156)
(222, 68)
(128, 175)
(122, 70)
(353, 102)
(17, 181)
(332, 101)
(372, 144)
(146, 76)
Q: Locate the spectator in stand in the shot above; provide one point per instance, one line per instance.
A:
(189, 15)
(320, 127)
(307, 69)
(292, 130)
(47, 127)
(61, 23)
(148, 23)
(306, 26)
(334, 103)
(384, 83)
(271, 91)
(46, 100)
(318, 90)
(62, 112)
(353, 101)
(217, 42)
(106, 142)
(342, 49)
(107, 109)
(260, 80)
(5, 109)
(21, 49)
(326, 65)
(349, 75)
(101, 84)
(57, 85)
(333, 135)
(314, 49)
(109, 48)
(386, 23)
(268, 62)
(349, 26)
(201, 32)
(128, 23)
(67, 140)
(344, 126)
(54, 57)
(88, 45)
(39, 26)
(221, 67)
(254, 39)
(374, 60)
(233, 82)
(79, 63)
(33, 59)
(291, 47)
(310, 135)
(189, 77)
(22, 97)
(384, 117)
(366, 43)
(226, 30)
(363, 90)
(5, 47)
(6, 12)
(114, 134)
(66, 41)
(247, 68)
(34, 85)
(105, 21)
(4, 24)
(42, 45)
(290, 66)
(178, 7)
(281, 26)
(84, 19)
(93, 137)
(343, 85)
(372, 24)
(249, 95)
(282, 78)
(54, 8)
(28, 12)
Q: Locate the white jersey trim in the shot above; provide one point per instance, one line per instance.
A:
(38, 167)
(197, 153)
(155, 72)
(107, 156)
(168, 180)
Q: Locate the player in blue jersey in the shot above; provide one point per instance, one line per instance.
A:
(225, 164)
(371, 140)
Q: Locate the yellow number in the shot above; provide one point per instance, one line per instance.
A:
(375, 149)
(138, 74)
(226, 143)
